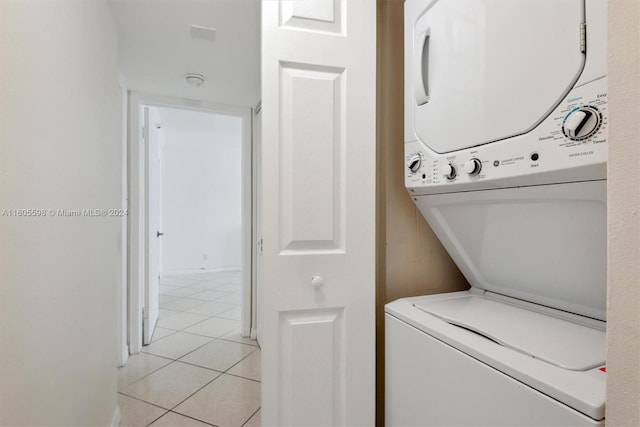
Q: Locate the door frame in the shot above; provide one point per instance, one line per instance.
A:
(138, 216)
(256, 213)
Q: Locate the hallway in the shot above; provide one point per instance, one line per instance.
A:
(198, 369)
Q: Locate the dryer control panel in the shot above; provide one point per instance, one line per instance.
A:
(569, 145)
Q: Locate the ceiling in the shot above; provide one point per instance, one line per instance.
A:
(156, 48)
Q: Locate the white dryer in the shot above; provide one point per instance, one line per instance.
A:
(506, 149)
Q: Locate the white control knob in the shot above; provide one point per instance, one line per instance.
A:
(450, 171)
(414, 162)
(582, 123)
(472, 166)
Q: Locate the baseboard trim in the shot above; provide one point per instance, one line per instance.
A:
(117, 417)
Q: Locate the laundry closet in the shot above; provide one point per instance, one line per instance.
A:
(506, 148)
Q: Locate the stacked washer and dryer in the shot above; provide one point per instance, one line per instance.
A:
(506, 150)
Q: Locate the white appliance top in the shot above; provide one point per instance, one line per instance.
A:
(563, 343)
(485, 70)
(524, 344)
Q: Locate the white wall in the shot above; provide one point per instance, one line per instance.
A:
(60, 148)
(623, 185)
(201, 191)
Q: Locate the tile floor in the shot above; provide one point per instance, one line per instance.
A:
(198, 369)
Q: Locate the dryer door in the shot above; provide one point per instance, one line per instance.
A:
(485, 70)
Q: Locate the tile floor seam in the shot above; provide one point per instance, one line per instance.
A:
(195, 419)
(145, 401)
(183, 330)
(244, 378)
(221, 295)
(251, 416)
(186, 354)
(200, 366)
(142, 400)
(198, 419)
(164, 366)
(191, 395)
(252, 351)
(209, 336)
(222, 372)
(190, 326)
(229, 340)
(182, 401)
(167, 411)
(155, 370)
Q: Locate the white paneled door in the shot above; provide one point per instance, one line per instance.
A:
(152, 192)
(318, 181)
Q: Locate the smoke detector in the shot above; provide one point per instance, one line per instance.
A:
(195, 80)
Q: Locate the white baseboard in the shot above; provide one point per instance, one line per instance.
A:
(117, 417)
(196, 271)
(124, 356)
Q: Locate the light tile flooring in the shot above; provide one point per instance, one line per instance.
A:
(198, 369)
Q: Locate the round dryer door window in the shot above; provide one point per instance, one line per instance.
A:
(486, 70)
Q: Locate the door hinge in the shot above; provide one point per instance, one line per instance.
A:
(260, 246)
(583, 37)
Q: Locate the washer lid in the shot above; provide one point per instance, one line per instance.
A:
(561, 342)
(545, 244)
(485, 70)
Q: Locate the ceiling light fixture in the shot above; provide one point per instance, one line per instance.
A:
(195, 80)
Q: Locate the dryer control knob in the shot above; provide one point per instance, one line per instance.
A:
(414, 162)
(472, 166)
(582, 123)
(450, 171)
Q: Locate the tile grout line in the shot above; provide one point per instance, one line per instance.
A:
(146, 375)
(191, 395)
(195, 419)
(251, 416)
(167, 411)
(143, 401)
(232, 306)
(173, 360)
(225, 371)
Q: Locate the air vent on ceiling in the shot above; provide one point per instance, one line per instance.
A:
(203, 33)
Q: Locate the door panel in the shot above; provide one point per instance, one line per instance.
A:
(312, 335)
(311, 158)
(318, 186)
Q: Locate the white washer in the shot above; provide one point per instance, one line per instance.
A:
(506, 149)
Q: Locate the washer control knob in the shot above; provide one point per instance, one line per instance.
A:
(414, 162)
(581, 123)
(472, 166)
(450, 171)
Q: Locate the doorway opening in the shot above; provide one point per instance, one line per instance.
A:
(194, 359)
(190, 212)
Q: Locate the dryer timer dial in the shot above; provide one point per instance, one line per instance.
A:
(414, 162)
(582, 123)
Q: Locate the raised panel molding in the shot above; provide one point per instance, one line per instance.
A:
(312, 363)
(326, 16)
(312, 138)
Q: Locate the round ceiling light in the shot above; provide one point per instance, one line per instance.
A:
(195, 80)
